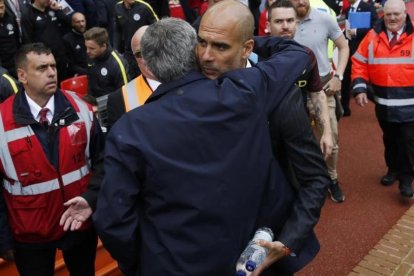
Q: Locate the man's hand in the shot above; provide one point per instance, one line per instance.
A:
(8, 255)
(326, 144)
(276, 252)
(77, 213)
(332, 87)
(361, 99)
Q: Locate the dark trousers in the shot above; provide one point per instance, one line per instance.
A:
(346, 87)
(40, 260)
(398, 141)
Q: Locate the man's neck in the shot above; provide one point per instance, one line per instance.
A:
(38, 7)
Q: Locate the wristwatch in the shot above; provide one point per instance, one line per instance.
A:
(340, 77)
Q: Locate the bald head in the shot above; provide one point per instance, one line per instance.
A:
(394, 15)
(233, 13)
(79, 22)
(136, 49)
(225, 38)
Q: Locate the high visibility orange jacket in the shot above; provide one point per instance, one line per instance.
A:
(389, 70)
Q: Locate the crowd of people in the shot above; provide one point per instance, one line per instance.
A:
(209, 129)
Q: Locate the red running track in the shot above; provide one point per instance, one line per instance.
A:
(349, 230)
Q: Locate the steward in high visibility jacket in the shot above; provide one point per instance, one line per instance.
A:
(385, 59)
(389, 70)
(130, 96)
(43, 168)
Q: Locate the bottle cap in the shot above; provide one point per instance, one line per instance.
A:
(250, 265)
(240, 273)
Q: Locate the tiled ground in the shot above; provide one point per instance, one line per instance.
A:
(394, 253)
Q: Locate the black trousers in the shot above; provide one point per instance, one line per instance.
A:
(398, 141)
(39, 260)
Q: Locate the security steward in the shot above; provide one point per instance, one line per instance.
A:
(135, 92)
(130, 15)
(107, 69)
(51, 147)
(75, 46)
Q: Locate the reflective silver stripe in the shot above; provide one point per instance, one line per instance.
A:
(132, 98)
(85, 115)
(394, 60)
(359, 57)
(394, 102)
(75, 175)
(34, 189)
(47, 186)
(5, 156)
(18, 133)
(360, 85)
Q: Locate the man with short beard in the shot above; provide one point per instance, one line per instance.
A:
(75, 46)
(315, 29)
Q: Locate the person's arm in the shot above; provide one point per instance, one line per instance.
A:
(320, 105)
(116, 217)
(343, 54)
(360, 75)
(285, 63)
(80, 208)
(6, 239)
(296, 149)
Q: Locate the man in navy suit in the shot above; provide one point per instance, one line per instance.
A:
(191, 175)
(354, 37)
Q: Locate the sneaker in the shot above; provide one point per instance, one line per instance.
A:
(336, 192)
(389, 178)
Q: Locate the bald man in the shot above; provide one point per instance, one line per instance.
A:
(384, 59)
(75, 46)
(137, 91)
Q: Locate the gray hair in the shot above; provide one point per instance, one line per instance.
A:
(168, 48)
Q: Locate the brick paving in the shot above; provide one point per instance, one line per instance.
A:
(394, 253)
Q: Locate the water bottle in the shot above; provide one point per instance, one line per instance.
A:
(253, 255)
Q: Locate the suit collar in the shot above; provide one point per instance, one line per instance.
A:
(168, 87)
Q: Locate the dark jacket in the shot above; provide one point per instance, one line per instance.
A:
(105, 74)
(128, 21)
(195, 172)
(75, 53)
(9, 41)
(47, 27)
(8, 85)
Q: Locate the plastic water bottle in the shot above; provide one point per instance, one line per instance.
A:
(254, 255)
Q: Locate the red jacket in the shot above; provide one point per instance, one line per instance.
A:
(389, 70)
(34, 190)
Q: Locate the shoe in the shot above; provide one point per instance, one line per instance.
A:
(389, 178)
(347, 113)
(336, 192)
(406, 189)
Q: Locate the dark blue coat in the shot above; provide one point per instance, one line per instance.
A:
(191, 173)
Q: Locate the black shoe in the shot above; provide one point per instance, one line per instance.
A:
(406, 189)
(347, 113)
(336, 192)
(389, 179)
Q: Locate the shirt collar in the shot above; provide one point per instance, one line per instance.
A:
(35, 108)
(153, 84)
(248, 64)
(356, 4)
(399, 32)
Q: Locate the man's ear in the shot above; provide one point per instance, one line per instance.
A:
(21, 75)
(248, 48)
